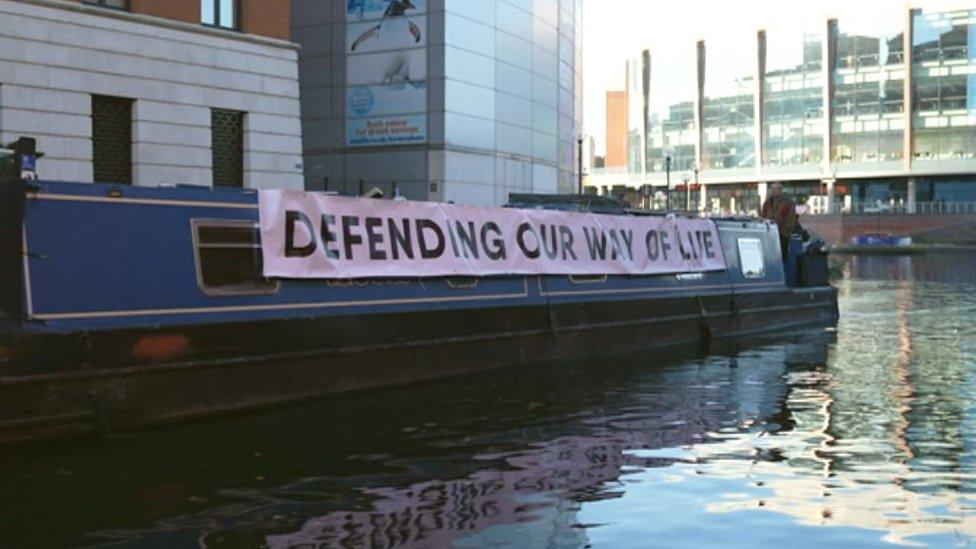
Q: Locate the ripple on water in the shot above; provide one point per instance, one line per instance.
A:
(862, 437)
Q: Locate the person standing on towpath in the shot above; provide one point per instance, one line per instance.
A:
(782, 210)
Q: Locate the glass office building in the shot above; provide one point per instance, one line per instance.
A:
(448, 100)
(850, 112)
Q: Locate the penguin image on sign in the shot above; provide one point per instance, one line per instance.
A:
(396, 11)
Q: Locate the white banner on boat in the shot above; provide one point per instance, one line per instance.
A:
(309, 235)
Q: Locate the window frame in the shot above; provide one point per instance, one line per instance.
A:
(242, 184)
(588, 279)
(130, 135)
(103, 4)
(217, 24)
(196, 225)
(462, 282)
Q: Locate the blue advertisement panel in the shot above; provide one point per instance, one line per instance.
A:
(386, 72)
(363, 101)
(372, 10)
(387, 130)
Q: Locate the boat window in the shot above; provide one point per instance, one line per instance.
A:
(587, 279)
(462, 282)
(751, 258)
(228, 258)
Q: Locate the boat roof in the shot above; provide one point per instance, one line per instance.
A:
(568, 202)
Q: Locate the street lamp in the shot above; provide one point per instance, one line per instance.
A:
(686, 178)
(579, 163)
(695, 167)
(668, 155)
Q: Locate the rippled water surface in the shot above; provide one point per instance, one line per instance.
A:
(862, 437)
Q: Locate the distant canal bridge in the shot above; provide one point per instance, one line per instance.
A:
(949, 223)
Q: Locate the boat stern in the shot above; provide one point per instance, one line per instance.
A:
(12, 196)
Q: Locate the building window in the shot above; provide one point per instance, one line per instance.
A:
(116, 4)
(219, 13)
(229, 260)
(112, 139)
(227, 142)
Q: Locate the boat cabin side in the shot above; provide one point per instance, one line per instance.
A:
(96, 256)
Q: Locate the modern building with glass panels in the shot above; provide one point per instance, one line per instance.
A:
(850, 116)
(449, 100)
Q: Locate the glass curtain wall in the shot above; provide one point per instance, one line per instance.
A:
(729, 113)
(869, 102)
(793, 123)
(570, 84)
(944, 85)
(512, 73)
(672, 111)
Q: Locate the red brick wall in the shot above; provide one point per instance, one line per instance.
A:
(262, 17)
(180, 10)
(616, 129)
(266, 17)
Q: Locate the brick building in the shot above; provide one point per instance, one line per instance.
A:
(616, 129)
(151, 92)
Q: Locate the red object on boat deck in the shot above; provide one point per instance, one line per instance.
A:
(161, 347)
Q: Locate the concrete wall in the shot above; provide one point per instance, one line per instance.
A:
(55, 54)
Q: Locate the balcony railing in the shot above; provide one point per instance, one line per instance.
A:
(919, 208)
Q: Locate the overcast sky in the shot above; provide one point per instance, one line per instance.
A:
(617, 30)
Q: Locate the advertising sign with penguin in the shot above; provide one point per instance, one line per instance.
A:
(386, 72)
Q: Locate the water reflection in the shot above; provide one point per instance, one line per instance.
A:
(859, 438)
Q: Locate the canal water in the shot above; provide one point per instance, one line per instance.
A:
(863, 436)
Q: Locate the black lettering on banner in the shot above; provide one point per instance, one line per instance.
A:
(549, 244)
(400, 240)
(495, 249)
(709, 245)
(685, 254)
(348, 238)
(615, 249)
(628, 237)
(427, 252)
(291, 219)
(596, 246)
(566, 237)
(520, 238)
(665, 244)
(469, 240)
(329, 236)
(454, 239)
(374, 238)
(653, 242)
(701, 245)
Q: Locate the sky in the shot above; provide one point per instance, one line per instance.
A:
(617, 30)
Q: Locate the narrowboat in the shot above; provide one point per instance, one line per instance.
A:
(123, 307)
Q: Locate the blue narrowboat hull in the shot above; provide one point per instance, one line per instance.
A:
(111, 324)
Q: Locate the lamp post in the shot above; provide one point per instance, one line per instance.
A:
(695, 167)
(686, 178)
(668, 155)
(579, 166)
